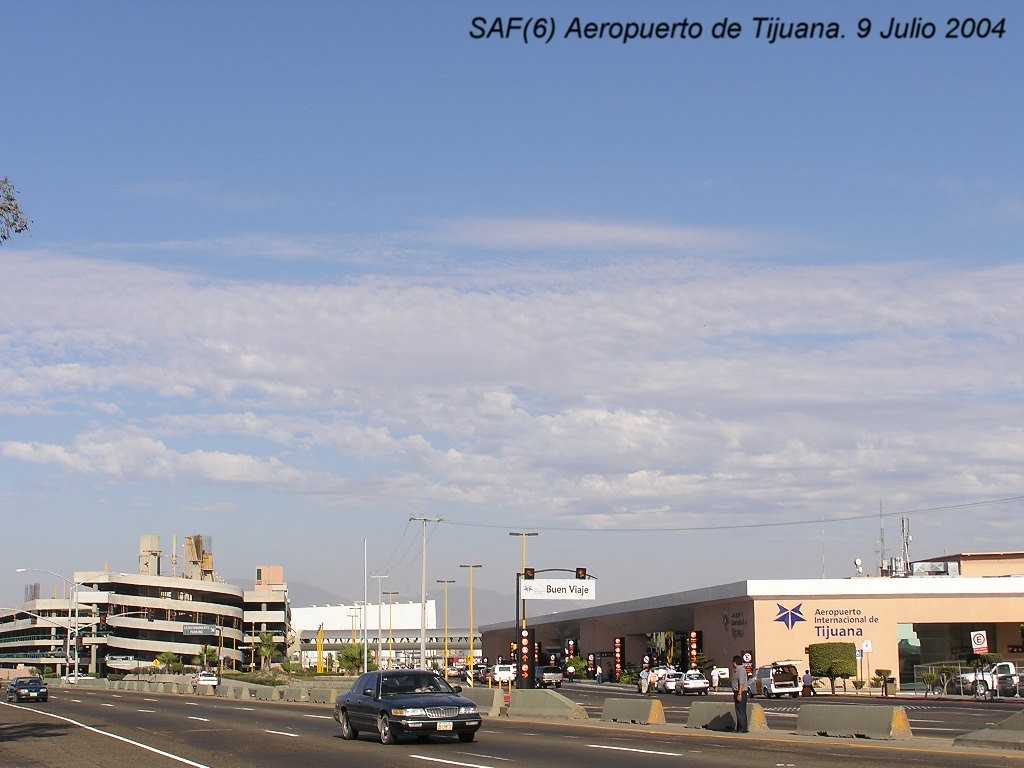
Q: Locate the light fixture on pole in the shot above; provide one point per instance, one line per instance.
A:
(446, 582)
(379, 649)
(472, 659)
(391, 635)
(423, 588)
(523, 536)
(74, 591)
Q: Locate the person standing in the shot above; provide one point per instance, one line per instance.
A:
(739, 693)
(600, 673)
(714, 679)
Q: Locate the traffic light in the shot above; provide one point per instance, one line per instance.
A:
(581, 573)
(529, 573)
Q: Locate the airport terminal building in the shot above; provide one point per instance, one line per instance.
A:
(935, 612)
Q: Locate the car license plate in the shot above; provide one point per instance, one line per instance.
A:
(32, 694)
(444, 725)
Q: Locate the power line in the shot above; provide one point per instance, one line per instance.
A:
(741, 526)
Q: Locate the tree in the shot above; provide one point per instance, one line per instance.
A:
(266, 649)
(207, 657)
(833, 660)
(12, 220)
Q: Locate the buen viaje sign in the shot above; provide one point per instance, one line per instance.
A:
(557, 589)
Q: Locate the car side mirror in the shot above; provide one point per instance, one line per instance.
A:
(457, 688)
(368, 692)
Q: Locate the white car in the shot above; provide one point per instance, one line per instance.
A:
(667, 681)
(205, 678)
(692, 682)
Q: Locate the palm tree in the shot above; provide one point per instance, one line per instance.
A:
(266, 648)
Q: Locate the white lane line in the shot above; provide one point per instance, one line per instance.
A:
(204, 719)
(144, 699)
(641, 751)
(145, 710)
(280, 733)
(104, 704)
(245, 709)
(138, 744)
(448, 762)
(485, 757)
(321, 717)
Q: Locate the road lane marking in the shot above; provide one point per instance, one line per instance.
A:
(138, 744)
(633, 749)
(321, 717)
(104, 704)
(204, 719)
(485, 757)
(449, 762)
(145, 710)
(280, 733)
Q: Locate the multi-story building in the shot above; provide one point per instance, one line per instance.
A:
(106, 621)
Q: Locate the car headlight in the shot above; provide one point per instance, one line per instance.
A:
(468, 710)
(409, 712)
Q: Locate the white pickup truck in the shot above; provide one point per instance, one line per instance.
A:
(999, 677)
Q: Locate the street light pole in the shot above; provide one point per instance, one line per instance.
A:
(423, 589)
(446, 582)
(472, 659)
(391, 636)
(523, 536)
(74, 591)
(379, 650)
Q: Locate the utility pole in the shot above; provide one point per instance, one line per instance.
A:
(423, 589)
(472, 658)
(523, 536)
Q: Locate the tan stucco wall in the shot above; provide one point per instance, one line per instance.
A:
(728, 628)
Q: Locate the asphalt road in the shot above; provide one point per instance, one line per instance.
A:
(80, 728)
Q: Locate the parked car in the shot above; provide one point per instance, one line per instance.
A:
(205, 678)
(397, 703)
(27, 689)
(776, 679)
(481, 673)
(546, 676)
(692, 681)
(667, 681)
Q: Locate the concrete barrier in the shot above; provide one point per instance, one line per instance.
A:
(863, 722)
(642, 711)
(544, 703)
(721, 716)
(1006, 734)
(296, 693)
(322, 695)
(488, 700)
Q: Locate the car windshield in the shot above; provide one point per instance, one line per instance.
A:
(402, 685)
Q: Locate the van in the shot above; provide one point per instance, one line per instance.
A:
(776, 679)
(503, 674)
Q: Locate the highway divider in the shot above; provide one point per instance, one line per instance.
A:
(865, 722)
(639, 711)
(1006, 734)
(721, 716)
(544, 703)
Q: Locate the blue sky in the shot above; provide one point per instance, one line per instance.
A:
(692, 310)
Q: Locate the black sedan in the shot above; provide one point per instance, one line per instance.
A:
(27, 689)
(401, 702)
